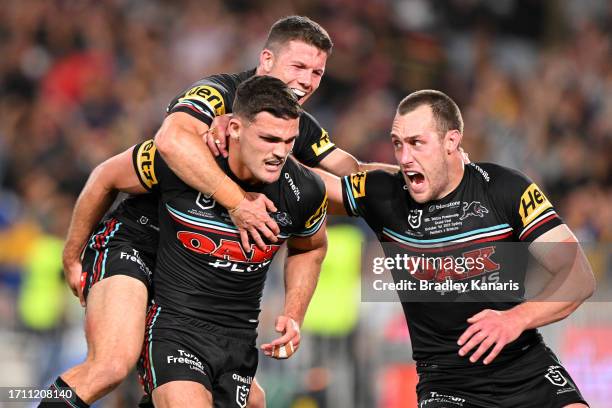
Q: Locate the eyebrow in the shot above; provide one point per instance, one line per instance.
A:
(411, 137)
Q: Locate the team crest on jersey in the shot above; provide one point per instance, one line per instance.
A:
(205, 203)
(555, 376)
(242, 393)
(282, 218)
(474, 208)
(414, 218)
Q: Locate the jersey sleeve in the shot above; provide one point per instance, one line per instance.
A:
(203, 100)
(150, 167)
(313, 144)
(315, 208)
(526, 207)
(368, 194)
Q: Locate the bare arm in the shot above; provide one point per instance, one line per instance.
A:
(179, 141)
(342, 163)
(334, 192)
(115, 174)
(573, 282)
(302, 269)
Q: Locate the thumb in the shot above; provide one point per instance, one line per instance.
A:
(477, 316)
(269, 205)
(281, 323)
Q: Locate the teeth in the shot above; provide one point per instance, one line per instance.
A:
(298, 92)
(412, 173)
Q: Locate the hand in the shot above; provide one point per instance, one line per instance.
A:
(284, 346)
(72, 272)
(464, 156)
(488, 328)
(216, 137)
(251, 217)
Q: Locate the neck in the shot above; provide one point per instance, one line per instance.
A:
(456, 168)
(236, 164)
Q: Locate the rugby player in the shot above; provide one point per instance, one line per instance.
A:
(119, 257)
(201, 330)
(437, 203)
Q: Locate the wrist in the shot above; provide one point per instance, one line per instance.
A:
(521, 315)
(229, 194)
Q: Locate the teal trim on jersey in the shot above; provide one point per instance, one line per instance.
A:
(201, 220)
(446, 239)
(349, 194)
(106, 250)
(66, 400)
(151, 348)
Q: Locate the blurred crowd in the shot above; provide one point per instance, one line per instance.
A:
(83, 80)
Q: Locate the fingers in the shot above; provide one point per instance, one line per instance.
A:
(469, 332)
(269, 205)
(222, 145)
(484, 346)
(270, 236)
(494, 353)
(244, 239)
(476, 339)
(257, 238)
(478, 316)
(274, 229)
(210, 142)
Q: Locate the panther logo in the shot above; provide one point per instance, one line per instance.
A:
(474, 208)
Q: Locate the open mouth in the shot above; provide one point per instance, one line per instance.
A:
(416, 179)
(299, 93)
(274, 164)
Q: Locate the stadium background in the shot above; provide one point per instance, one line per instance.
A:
(83, 80)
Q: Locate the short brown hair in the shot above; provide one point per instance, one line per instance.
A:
(445, 111)
(299, 28)
(264, 93)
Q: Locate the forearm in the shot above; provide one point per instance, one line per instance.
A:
(302, 270)
(535, 314)
(389, 168)
(93, 202)
(181, 146)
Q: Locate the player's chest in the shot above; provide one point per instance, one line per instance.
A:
(462, 218)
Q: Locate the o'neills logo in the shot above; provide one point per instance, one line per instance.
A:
(244, 380)
(294, 188)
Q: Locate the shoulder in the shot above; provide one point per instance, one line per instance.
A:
(308, 184)
(499, 177)
(377, 183)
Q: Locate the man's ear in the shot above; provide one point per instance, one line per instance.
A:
(266, 60)
(234, 128)
(452, 140)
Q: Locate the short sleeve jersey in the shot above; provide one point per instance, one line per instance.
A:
(492, 204)
(202, 270)
(213, 96)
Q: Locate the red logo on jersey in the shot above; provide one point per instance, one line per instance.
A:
(482, 264)
(226, 249)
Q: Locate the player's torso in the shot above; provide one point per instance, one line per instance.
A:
(202, 268)
(465, 263)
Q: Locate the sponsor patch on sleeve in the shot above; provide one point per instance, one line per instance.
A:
(533, 203)
(206, 95)
(323, 144)
(145, 160)
(358, 184)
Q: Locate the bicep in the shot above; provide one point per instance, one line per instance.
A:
(556, 249)
(340, 163)
(314, 242)
(118, 173)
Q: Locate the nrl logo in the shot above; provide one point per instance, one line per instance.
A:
(474, 208)
(242, 392)
(414, 218)
(555, 377)
(205, 203)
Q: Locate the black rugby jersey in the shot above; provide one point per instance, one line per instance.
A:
(492, 204)
(210, 97)
(202, 271)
